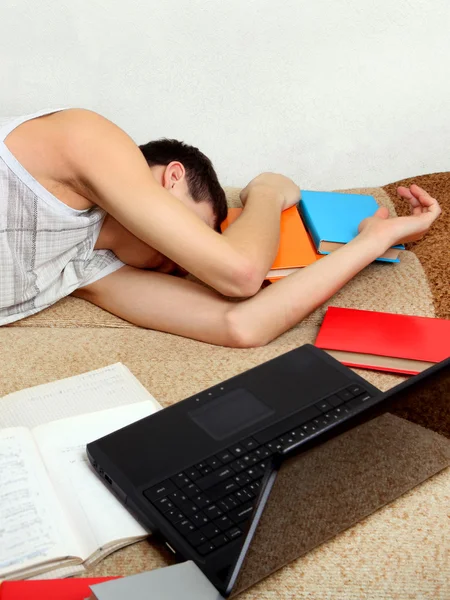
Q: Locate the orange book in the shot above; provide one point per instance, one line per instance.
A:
(296, 249)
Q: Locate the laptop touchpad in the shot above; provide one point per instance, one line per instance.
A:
(230, 413)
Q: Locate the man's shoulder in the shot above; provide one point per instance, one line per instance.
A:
(79, 121)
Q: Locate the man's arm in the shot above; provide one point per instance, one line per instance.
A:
(117, 178)
(174, 305)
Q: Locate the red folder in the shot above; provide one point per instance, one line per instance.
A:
(384, 341)
(49, 589)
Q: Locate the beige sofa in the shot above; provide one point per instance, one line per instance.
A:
(400, 552)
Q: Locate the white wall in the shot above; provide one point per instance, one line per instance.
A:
(334, 93)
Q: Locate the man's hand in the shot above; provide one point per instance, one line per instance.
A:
(278, 185)
(424, 211)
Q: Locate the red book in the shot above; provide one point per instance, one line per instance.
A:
(384, 341)
(49, 589)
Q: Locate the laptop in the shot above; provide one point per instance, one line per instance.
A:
(199, 473)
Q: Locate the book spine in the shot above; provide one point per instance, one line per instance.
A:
(305, 216)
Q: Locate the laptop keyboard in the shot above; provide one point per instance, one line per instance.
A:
(210, 502)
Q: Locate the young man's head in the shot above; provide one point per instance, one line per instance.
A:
(190, 176)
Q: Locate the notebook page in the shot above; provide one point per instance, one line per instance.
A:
(94, 511)
(33, 528)
(101, 389)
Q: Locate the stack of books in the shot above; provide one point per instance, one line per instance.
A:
(321, 223)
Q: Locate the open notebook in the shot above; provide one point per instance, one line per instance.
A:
(56, 517)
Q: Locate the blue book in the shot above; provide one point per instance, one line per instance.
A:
(332, 219)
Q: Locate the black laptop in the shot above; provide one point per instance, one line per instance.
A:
(194, 472)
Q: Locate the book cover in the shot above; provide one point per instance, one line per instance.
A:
(296, 249)
(332, 219)
(384, 341)
(52, 589)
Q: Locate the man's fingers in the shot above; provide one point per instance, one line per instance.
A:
(424, 197)
(420, 200)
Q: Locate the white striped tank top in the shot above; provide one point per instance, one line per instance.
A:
(46, 247)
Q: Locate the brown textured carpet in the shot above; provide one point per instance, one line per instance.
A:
(433, 250)
(400, 552)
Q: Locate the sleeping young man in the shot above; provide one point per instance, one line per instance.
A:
(85, 211)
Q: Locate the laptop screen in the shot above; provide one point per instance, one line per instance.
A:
(310, 497)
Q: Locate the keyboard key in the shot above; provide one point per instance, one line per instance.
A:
(214, 462)
(227, 504)
(201, 500)
(210, 530)
(255, 473)
(224, 522)
(242, 479)
(300, 434)
(290, 440)
(282, 440)
(335, 400)
(181, 480)
(331, 418)
(199, 519)
(355, 389)
(213, 511)
(164, 504)
(292, 422)
(225, 456)
(242, 512)
(345, 395)
(233, 533)
(254, 487)
(220, 540)
(205, 549)
(174, 515)
(263, 452)
(243, 496)
(191, 490)
(274, 446)
(250, 444)
(237, 450)
(196, 538)
(309, 428)
(185, 504)
(238, 465)
(234, 499)
(201, 465)
(324, 406)
(249, 493)
(193, 473)
(223, 489)
(160, 490)
(359, 401)
(322, 422)
(184, 526)
(247, 460)
(206, 470)
(334, 416)
(214, 478)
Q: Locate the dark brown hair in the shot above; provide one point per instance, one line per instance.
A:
(201, 177)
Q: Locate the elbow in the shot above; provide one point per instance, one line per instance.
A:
(240, 333)
(244, 282)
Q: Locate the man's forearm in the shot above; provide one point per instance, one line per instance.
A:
(256, 233)
(279, 307)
